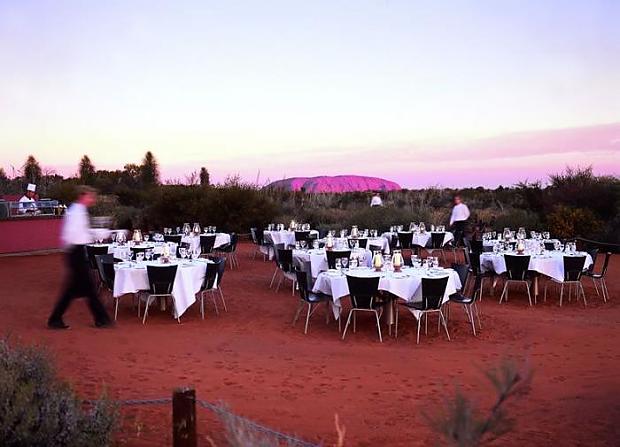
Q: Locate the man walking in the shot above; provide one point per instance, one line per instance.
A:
(75, 234)
(458, 220)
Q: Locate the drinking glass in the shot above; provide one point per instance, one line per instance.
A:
(303, 244)
(345, 263)
(337, 264)
(183, 252)
(139, 257)
(315, 244)
(146, 237)
(148, 254)
(297, 245)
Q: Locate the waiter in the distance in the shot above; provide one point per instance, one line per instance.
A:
(75, 234)
(28, 203)
(458, 219)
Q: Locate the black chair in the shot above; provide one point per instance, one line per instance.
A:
(161, 283)
(363, 293)
(517, 271)
(181, 245)
(276, 247)
(207, 242)
(136, 250)
(475, 246)
(593, 252)
(361, 242)
(286, 268)
(549, 246)
(600, 277)
(210, 284)
(92, 251)
(374, 248)
(433, 292)
(573, 270)
(394, 241)
(404, 239)
(468, 298)
(475, 268)
(172, 238)
(437, 244)
(230, 250)
(105, 265)
(308, 298)
(302, 236)
(259, 241)
(332, 255)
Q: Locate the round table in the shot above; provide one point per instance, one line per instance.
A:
(405, 285)
(285, 237)
(422, 239)
(133, 278)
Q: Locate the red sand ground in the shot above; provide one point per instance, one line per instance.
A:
(264, 369)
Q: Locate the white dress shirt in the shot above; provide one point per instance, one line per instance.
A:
(76, 226)
(26, 204)
(376, 201)
(459, 212)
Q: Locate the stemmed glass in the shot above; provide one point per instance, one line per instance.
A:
(303, 244)
(345, 263)
(196, 253)
(146, 237)
(338, 264)
(183, 252)
(140, 257)
(148, 254)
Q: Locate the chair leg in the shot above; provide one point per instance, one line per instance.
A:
(146, 309)
(445, 326)
(396, 325)
(504, 292)
(378, 327)
(605, 289)
(222, 298)
(202, 305)
(115, 308)
(561, 293)
(298, 312)
(596, 287)
(583, 293)
(471, 317)
(308, 317)
(346, 326)
(217, 311)
(273, 278)
(529, 295)
(418, 336)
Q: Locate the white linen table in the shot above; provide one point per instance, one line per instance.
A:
(190, 275)
(550, 264)
(221, 239)
(422, 239)
(285, 237)
(405, 284)
(318, 258)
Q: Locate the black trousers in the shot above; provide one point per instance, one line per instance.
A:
(459, 232)
(78, 284)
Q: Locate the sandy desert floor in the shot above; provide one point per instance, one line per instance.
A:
(252, 359)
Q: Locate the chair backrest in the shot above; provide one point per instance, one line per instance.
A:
(234, 239)
(181, 245)
(105, 277)
(285, 259)
(302, 236)
(332, 255)
(517, 266)
(302, 281)
(405, 238)
(136, 250)
(550, 246)
(207, 242)
(606, 264)
(593, 252)
(394, 241)
(462, 270)
(221, 266)
(161, 278)
(362, 291)
(433, 291)
(254, 233)
(476, 246)
(474, 262)
(437, 240)
(172, 238)
(573, 267)
(361, 242)
(92, 251)
(210, 276)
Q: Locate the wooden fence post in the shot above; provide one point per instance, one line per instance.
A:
(184, 417)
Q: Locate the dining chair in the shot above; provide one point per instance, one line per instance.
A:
(600, 277)
(573, 270)
(310, 299)
(363, 293)
(161, 282)
(517, 272)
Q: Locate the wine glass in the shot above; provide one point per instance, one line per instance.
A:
(148, 254)
(338, 264)
(196, 253)
(140, 257)
(183, 252)
(303, 244)
(315, 244)
(146, 237)
(345, 263)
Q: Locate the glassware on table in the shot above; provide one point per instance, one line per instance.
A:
(303, 244)
(148, 254)
(297, 245)
(354, 263)
(139, 257)
(315, 244)
(146, 237)
(345, 263)
(183, 252)
(337, 264)
(196, 252)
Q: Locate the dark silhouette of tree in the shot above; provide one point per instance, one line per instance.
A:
(149, 170)
(86, 170)
(32, 170)
(132, 175)
(204, 177)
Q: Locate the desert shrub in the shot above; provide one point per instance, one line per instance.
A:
(380, 218)
(37, 409)
(566, 222)
(514, 218)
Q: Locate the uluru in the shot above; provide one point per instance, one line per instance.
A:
(337, 183)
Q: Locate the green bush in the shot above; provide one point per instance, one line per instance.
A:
(37, 409)
(565, 222)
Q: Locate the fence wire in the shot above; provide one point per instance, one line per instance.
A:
(220, 411)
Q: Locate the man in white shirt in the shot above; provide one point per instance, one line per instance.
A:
(376, 200)
(75, 234)
(27, 203)
(458, 219)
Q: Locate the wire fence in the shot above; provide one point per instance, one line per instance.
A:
(220, 411)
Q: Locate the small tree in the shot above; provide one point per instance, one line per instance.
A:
(204, 177)
(32, 170)
(86, 170)
(149, 170)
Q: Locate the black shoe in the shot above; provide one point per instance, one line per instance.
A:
(104, 324)
(57, 325)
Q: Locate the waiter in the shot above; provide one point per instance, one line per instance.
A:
(458, 219)
(376, 200)
(75, 234)
(27, 203)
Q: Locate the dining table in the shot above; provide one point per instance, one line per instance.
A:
(317, 258)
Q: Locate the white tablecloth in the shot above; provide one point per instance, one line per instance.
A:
(221, 239)
(318, 259)
(422, 239)
(550, 264)
(188, 280)
(119, 251)
(285, 237)
(405, 285)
